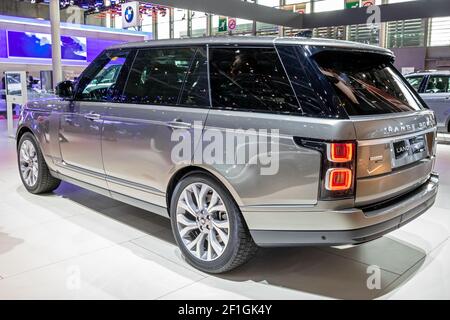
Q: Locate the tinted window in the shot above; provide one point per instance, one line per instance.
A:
(157, 75)
(195, 90)
(296, 66)
(366, 83)
(98, 82)
(438, 84)
(251, 79)
(415, 82)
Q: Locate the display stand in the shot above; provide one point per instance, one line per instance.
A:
(16, 93)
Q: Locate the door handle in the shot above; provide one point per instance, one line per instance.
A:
(92, 116)
(178, 124)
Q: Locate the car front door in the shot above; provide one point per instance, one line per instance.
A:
(81, 124)
(437, 97)
(165, 97)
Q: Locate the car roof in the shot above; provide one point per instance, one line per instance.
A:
(254, 40)
(430, 72)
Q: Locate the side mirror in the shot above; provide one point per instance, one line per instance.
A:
(65, 89)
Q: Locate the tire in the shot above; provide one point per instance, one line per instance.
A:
(239, 247)
(41, 181)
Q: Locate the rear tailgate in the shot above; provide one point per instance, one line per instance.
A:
(395, 154)
(395, 132)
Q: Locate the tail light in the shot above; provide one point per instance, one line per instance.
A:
(340, 152)
(338, 179)
(337, 167)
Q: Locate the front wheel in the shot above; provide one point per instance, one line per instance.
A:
(33, 170)
(208, 225)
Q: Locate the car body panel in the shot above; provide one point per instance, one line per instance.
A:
(137, 147)
(76, 133)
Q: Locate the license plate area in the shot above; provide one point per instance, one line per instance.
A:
(409, 150)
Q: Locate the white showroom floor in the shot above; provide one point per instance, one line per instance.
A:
(76, 244)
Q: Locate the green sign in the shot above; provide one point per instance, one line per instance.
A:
(223, 24)
(350, 4)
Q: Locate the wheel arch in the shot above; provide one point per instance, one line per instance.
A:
(21, 131)
(192, 169)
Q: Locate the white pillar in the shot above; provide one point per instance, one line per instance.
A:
(56, 41)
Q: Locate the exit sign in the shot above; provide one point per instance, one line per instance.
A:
(350, 4)
(223, 24)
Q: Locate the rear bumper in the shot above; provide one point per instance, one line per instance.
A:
(339, 227)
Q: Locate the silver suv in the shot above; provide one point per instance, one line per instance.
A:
(434, 88)
(242, 142)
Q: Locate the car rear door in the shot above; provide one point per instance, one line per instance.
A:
(165, 98)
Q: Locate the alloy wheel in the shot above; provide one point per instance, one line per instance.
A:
(29, 167)
(202, 221)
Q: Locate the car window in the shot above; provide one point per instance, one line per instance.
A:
(195, 91)
(98, 83)
(157, 75)
(438, 84)
(366, 83)
(250, 79)
(303, 82)
(415, 81)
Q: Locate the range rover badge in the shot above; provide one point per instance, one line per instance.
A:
(376, 158)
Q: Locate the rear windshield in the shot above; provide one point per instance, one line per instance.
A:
(366, 83)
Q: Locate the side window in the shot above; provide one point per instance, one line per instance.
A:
(157, 75)
(195, 91)
(438, 84)
(415, 82)
(98, 82)
(301, 81)
(250, 79)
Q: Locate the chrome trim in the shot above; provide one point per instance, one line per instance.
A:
(249, 40)
(390, 139)
(175, 124)
(77, 169)
(152, 208)
(92, 116)
(110, 179)
(134, 185)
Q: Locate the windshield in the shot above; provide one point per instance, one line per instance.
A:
(366, 83)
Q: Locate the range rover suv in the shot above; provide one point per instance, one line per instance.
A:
(347, 147)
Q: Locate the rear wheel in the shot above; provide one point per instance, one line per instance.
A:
(33, 170)
(208, 225)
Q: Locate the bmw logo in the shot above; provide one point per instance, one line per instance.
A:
(129, 14)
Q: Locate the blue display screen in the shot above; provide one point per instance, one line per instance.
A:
(39, 45)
